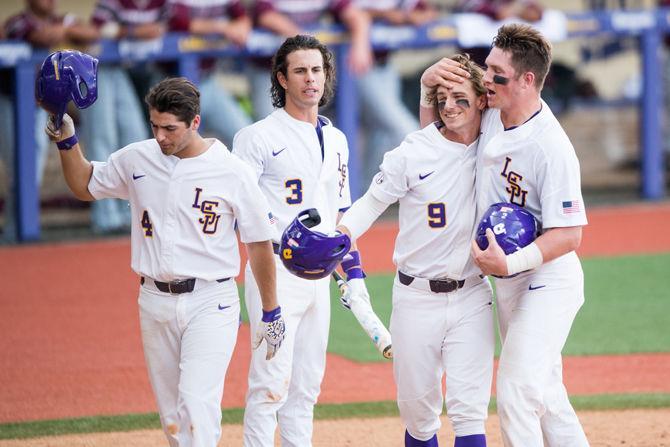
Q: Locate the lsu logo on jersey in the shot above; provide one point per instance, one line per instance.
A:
(209, 219)
(517, 195)
(342, 169)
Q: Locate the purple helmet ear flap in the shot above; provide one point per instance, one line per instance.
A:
(311, 254)
(66, 75)
(83, 74)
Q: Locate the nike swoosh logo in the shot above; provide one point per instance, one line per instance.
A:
(421, 177)
(223, 307)
(530, 287)
(274, 154)
(135, 177)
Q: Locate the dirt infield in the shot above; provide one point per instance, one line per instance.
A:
(71, 343)
(639, 428)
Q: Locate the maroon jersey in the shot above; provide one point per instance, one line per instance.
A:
(303, 13)
(130, 12)
(183, 11)
(21, 25)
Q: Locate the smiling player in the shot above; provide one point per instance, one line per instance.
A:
(442, 321)
(526, 158)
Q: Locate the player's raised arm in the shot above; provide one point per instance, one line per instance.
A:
(77, 170)
(63, 77)
(444, 72)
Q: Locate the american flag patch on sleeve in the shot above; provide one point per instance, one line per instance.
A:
(273, 219)
(571, 206)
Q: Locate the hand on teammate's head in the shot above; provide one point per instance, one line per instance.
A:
(443, 72)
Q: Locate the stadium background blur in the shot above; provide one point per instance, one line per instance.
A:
(601, 117)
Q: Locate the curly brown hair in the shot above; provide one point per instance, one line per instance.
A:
(530, 50)
(280, 64)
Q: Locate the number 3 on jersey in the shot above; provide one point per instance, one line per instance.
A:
(147, 225)
(437, 215)
(295, 186)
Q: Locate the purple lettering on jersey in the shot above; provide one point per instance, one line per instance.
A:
(210, 219)
(517, 194)
(196, 201)
(342, 168)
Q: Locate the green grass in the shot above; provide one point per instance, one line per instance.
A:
(627, 310)
(100, 424)
(627, 307)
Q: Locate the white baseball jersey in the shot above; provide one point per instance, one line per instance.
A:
(534, 166)
(285, 155)
(184, 210)
(434, 180)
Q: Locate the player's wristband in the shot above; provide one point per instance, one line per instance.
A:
(272, 315)
(529, 257)
(425, 98)
(351, 264)
(68, 143)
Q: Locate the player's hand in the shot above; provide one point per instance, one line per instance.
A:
(238, 31)
(356, 291)
(272, 329)
(360, 58)
(492, 260)
(443, 72)
(66, 130)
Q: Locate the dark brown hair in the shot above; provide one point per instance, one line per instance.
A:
(177, 96)
(529, 49)
(280, 64)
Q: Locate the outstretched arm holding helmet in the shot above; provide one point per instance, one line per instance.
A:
(77, 170)
(356, 221)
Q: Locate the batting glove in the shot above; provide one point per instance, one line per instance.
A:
(66, 130)
(351, 264)
(272, 329)
(357, 291)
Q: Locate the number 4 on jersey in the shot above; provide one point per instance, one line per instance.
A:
(146, 224)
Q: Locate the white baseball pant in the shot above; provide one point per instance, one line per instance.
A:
(188, 342)
(285, 389)
(535, 313)
(438, 333)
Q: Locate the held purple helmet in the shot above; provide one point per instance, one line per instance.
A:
(311, 254)
(66, 75)
(513, 226)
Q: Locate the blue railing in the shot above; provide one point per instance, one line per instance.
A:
(648, 25)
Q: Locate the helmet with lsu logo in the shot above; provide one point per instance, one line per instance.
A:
(64, 76)
(311, 254)
(513, 226)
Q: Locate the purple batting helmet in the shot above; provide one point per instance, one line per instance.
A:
(311, 254)
(66, 75)
(513, 226)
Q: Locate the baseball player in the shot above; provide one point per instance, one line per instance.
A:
(442, 321)
(300, 160)
(526, 158)
(186, 194)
